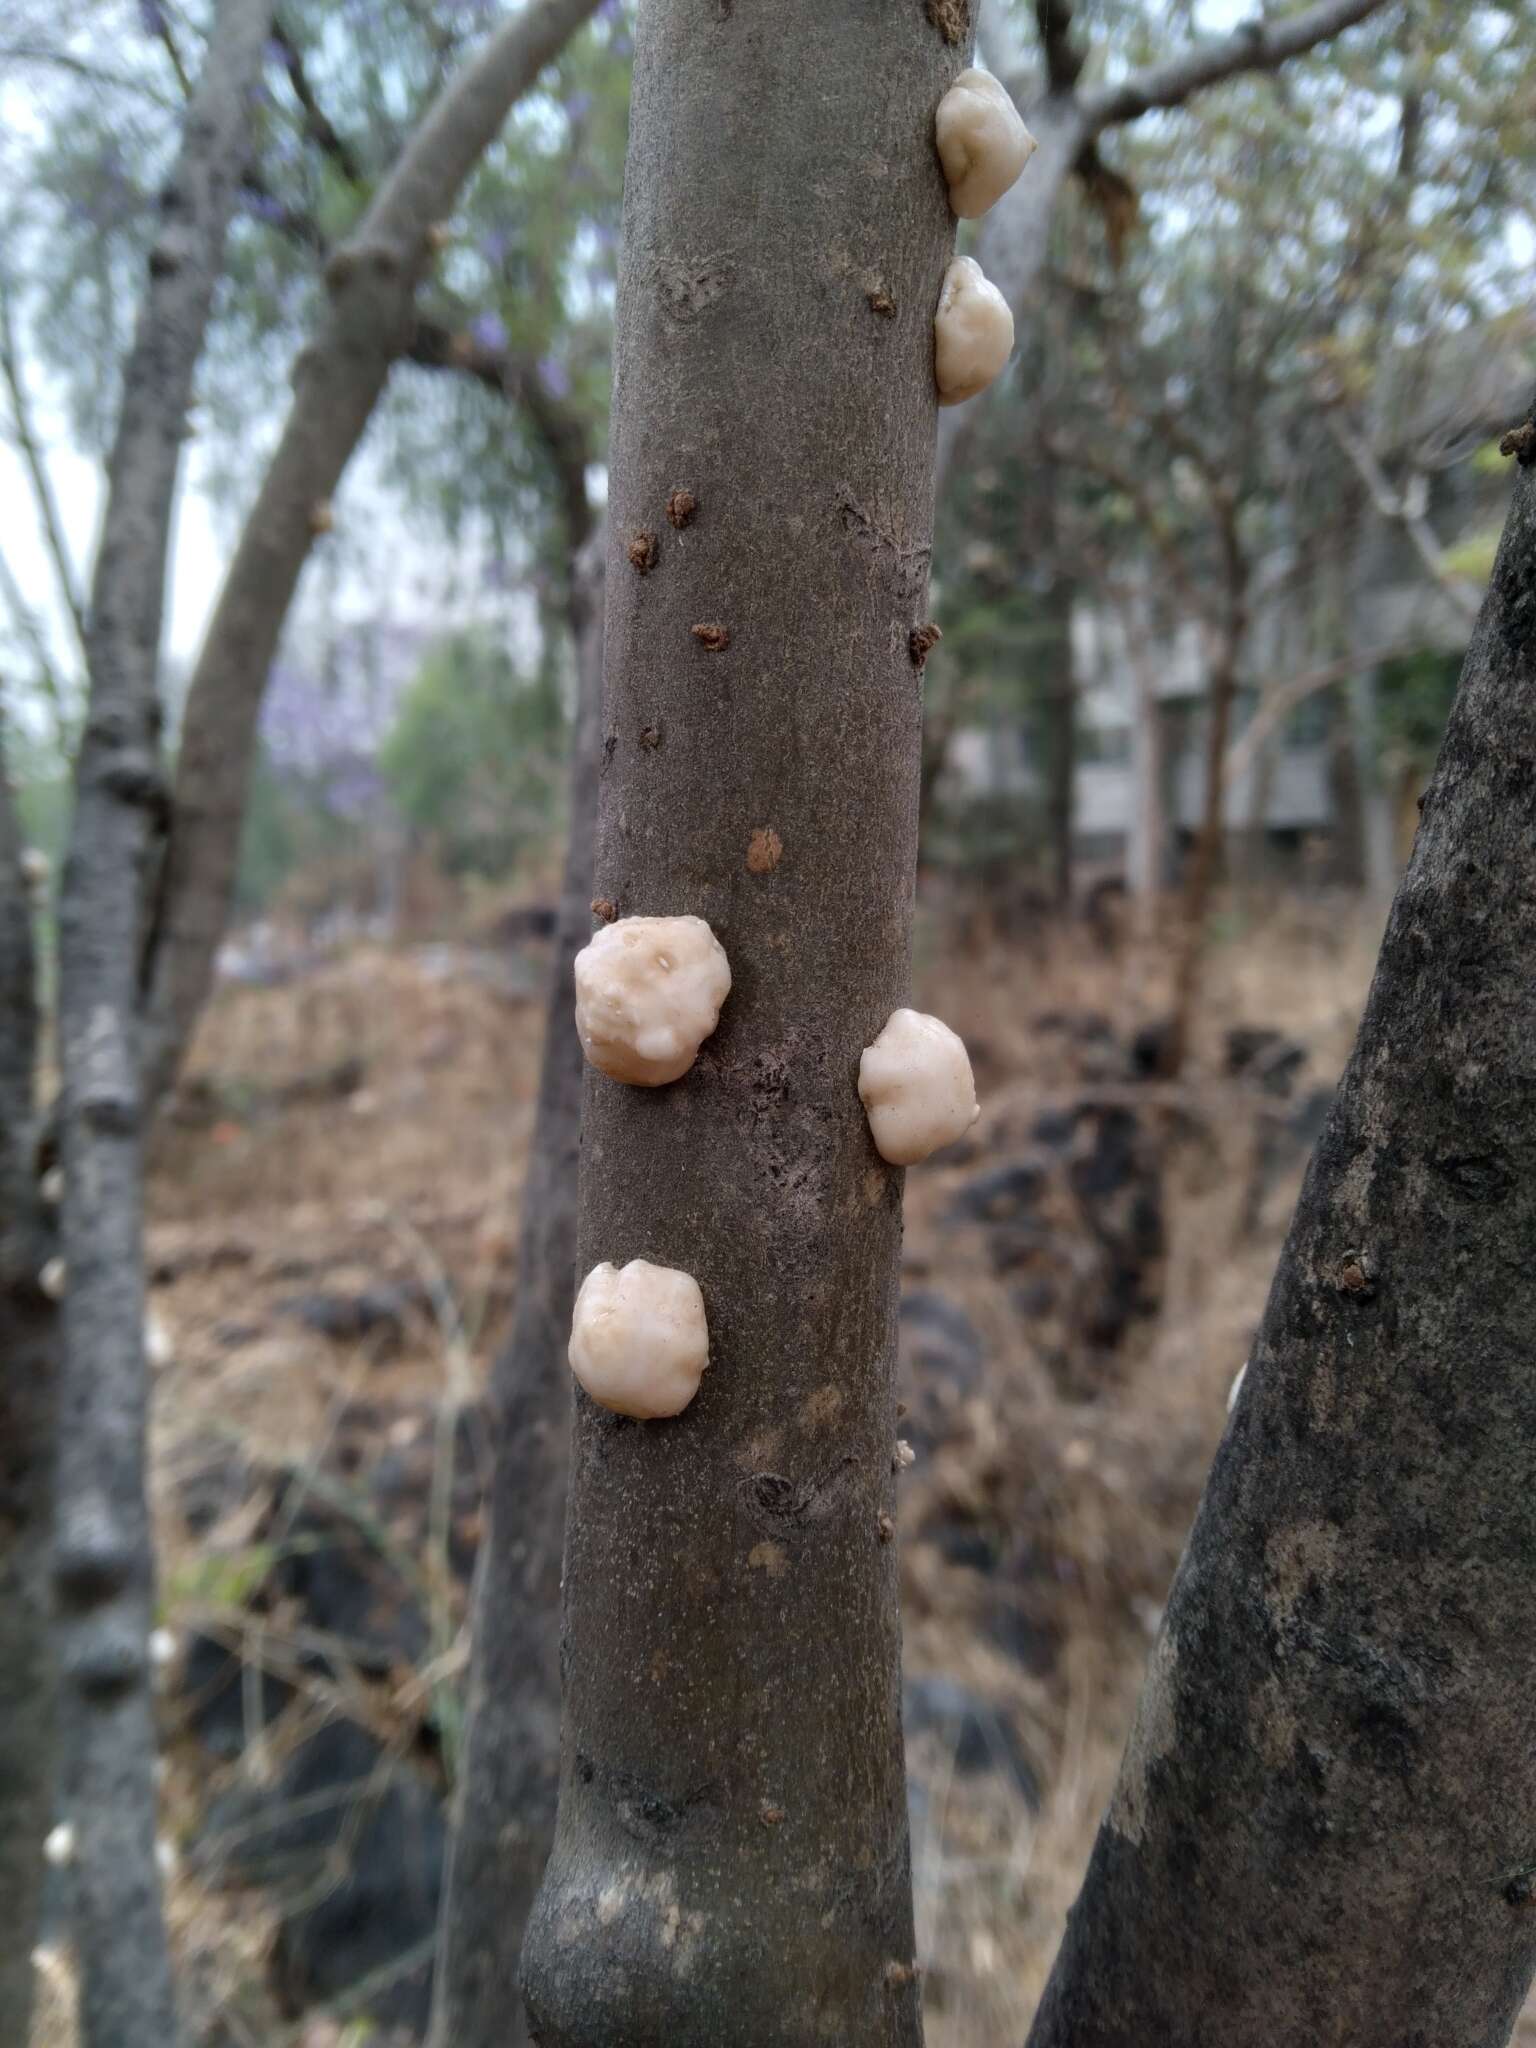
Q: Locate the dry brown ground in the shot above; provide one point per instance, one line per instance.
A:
(414, 1177)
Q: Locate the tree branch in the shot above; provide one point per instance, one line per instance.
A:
(48, 519)
(1397, 507)
(104, 1560)
(1281, 699)
(371, 321)
(562, 431)
(18, 997)
(31, 630)
(1063, 59)
(1256, 46)
(28, 1391)
(318, 124)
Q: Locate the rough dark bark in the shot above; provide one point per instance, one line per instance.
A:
(731, 1859)
(370, 323)
(29, 1342)
(1324, 1822)
(505, 1805)
(104, 1562)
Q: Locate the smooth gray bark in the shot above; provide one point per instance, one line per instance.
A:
(28, 1392)
(371, 322)
(1323, 1827)
(104, 1562)
(731, 1858)
(505, 1805)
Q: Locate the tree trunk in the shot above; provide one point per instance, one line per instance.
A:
(104, 1558)
(1147, 840)
(29, 1346)
(505, 1804)
(1324, 1822)
(1061, 709)
(731, 1858)
(338, 379)
(1204, 861)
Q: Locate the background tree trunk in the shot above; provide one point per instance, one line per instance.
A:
(1324, 1822)
(1146, 843)
(1061, 742)
(29, 1345)
(104, 1558)
(731, 1857)
(505, 1804)
(371, 321)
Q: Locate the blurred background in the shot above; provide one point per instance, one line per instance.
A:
(1206, 565)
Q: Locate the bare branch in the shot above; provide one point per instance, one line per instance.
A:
(93, 74)
(318, 124)
(562, 430)
(18, 991)
(1400, 509)
(373, 280)
(1256, 46)
(1281, 699)
(1063, 59)
(104, 1567)
(28, 1391)
(167, 36)
(30, 627)
(46, 504)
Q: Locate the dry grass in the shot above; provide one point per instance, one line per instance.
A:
(414, 1177)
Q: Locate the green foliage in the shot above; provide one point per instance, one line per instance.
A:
(1474, 556)
(472, 762)
(1413, 702)
(289, 826)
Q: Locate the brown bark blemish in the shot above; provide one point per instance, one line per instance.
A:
(885, 1528)
(1355, 1276)
(881, 302)
(767, 1557)
(605, 908)
(1521, 442)
(952, 19)
(765, 849)
(772, 1816)
(1152, 1737)
(642, 553)
(922, 641)
(321, 516)
(681, 507)
(714, 639)
(650, 736)
(1295, 1560)
(822, 1407)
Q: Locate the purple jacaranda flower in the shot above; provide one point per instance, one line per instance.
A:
(353, 789)
(579, 105)
(554, 376)
(489, 330)
(494, 247)
(152, 17)
(262, 206)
